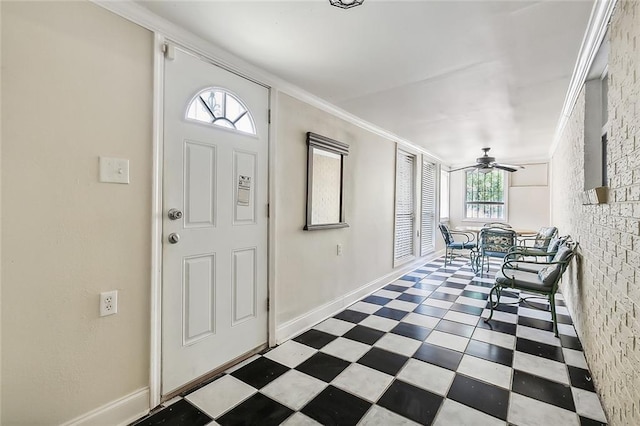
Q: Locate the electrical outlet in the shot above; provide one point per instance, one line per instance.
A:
(108, 303)
(339, 249)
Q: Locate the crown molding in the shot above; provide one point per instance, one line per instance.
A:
(596, 30)
(180, 36)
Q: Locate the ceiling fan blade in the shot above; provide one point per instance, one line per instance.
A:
(513, 166)
(506, 167)
(466, 167)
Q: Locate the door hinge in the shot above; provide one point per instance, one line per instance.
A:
(267, 210)
(269, 116)
(268, 306)
(169, 51)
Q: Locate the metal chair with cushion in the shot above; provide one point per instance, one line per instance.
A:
(543, 277)
(541, 240)
(494, 242)
(467, 241)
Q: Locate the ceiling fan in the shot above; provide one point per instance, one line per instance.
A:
(485, 164)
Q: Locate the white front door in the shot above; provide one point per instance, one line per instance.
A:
(214, 281)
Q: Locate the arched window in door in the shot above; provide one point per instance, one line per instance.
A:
(219, 107)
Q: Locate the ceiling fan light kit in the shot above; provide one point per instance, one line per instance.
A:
(485, 164)
(346, 4)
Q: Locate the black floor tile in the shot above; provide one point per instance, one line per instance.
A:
(536, 323)
(535, 303)
(456, 328)
(474, 295)
(395, 314)
(570, 342)
(481, 396)
(425, 286)
(412, 331)
(396, 288)
(315, 338)
(501, 326)
(385, 361)
(377, 300)
(260, 372)
(564, 319)
(584, 421)
(467, 309)
(410, 278)
(334, 406)
(443, 357)
(322, 366)
(257, 409)
(177, 414)
(580, 378)
(490, 352)
(453, 285)
(409, 401)
(510, 309)
(364, 334)
(413, 298)
(432, 311)
(539, 349)
(443, 296)
(351, 316)
(543, 390)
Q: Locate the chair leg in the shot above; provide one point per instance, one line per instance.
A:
(552, 303)
(491, 304)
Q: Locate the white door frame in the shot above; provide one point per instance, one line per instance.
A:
(155, 364)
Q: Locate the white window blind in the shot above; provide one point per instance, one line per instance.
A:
(405, 205)
(428, 212)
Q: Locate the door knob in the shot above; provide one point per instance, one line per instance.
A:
(175, 214)
(174, 238)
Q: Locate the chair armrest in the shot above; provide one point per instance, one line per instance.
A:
(470, 236)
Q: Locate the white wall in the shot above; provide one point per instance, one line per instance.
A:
(77, 84)
(527, 201)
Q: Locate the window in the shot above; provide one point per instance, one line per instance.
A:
(218, 107)
(444, 195)
(428, 208)
(485, 195)
(405, 207)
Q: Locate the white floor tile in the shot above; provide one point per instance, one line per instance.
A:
(220, 396)
(487, 371)
(386, 293)
(461, 317)
(562, 310)
(363, 381)
(574, 358)
(451, 341)
(421, 320)
(294, 389)
(588, 404)
(379, 416)
(405, 283)
(418, 292)
(290, 353)
(525, 411)
(334, 326)
(401, 305)
(346, 349)
(459, 280)
(379, 323)
(534, 313)
(427, 376)
(442, 274)
(430, 281)
(495, 338)
(471, 301)
(367, 308)
(398, 344)
(438, 303)
(299, 419)
(453, 413)
(416, 274)
(542, 367)
(501, 316)
(537, 335)
(567, 330)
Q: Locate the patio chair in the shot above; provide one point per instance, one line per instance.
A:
(541, 240)
(467, 241)
(497, 225)
(544, 281)
(493, 242)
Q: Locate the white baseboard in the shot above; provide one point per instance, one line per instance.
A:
(302, 323)
(122, 411)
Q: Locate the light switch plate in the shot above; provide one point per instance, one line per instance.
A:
(114, 170)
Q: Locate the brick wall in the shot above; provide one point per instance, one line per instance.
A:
(603, 289)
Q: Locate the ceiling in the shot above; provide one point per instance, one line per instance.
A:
(450, 76)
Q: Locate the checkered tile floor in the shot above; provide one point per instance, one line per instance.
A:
(414, 352)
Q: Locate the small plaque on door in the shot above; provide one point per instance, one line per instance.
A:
(244, 190)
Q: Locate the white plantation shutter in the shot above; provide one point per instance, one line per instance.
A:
(428, 211)
(405, 205)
